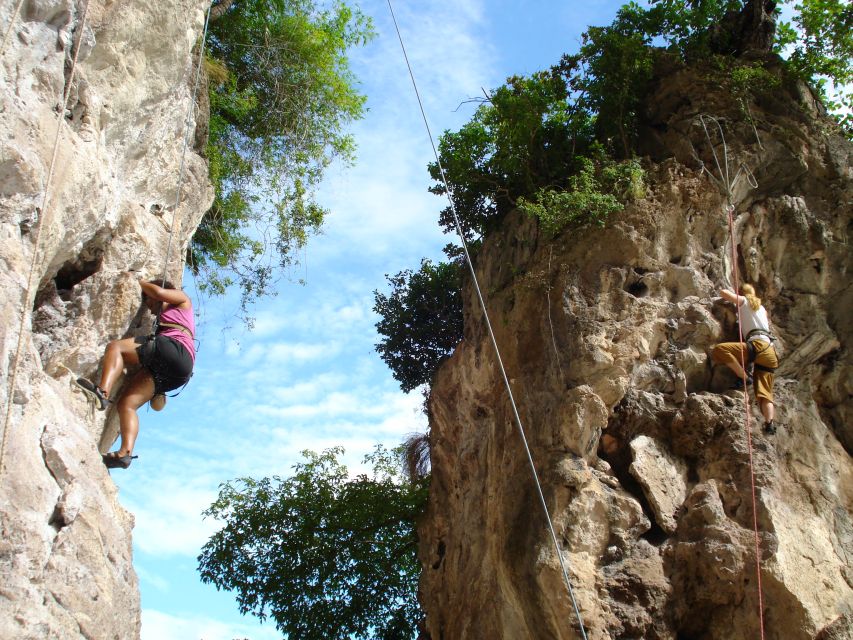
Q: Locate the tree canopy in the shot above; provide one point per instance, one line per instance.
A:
(281, 97)
(325, 556)
(421, 321)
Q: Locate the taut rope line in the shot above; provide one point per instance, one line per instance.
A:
(37, 242)
(12, 21)
(726, 186)
(187, 131)
(491, 332)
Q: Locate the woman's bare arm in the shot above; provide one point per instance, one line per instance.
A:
(731, 296)
(174, 297)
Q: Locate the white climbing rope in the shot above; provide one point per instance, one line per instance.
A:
(491, 334)
(187, 131)
(43, 214)
(12, 20)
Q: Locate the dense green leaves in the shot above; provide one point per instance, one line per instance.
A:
(524, 138)
(325, 556)
(597, 190)
(281, 97)
(421, 321)
(822, 43)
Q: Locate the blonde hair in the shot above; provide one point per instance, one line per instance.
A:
(749, 293)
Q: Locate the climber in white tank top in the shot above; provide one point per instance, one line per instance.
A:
(757, 348)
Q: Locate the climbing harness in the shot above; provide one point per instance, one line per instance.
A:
(43, 213)
(753, 350)
(174, 325)
(490, 331)
(726, 185)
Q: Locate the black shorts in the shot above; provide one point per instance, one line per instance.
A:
(168, 361)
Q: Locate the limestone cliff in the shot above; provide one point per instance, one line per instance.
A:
(640, 445)
(65, 545)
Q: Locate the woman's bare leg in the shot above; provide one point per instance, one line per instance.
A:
(137, 392)
(118, 355)
(767, 410)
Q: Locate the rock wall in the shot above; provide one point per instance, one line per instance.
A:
(65, 541)
(641, 447)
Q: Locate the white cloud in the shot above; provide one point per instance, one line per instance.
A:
(157, 625)
(168, 514)
(156, 581)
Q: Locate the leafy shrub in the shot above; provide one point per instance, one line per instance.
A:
(281, 96)
(421, 321)
(596, 191)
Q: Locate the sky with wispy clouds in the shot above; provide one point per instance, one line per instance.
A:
(307, 376)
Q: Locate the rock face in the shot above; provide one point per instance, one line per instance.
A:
(643, 451)
(107, 206)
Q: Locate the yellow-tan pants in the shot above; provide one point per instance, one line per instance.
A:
(729, 352)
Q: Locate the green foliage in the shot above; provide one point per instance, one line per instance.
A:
(421, 321)
(281, 96)
(596, 191)
(326, 557)
(822, 45)
(688, 27)
(609, 76)
(523, 138)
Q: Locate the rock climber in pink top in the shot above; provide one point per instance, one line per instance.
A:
(167, 359)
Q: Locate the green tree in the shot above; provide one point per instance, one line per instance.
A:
(421, 321)
(325, 556)
(523, 138)
(822, 43)
(281, 97)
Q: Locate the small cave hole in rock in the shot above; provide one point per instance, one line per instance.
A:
(675, 260)
(637, 289)
(74, 272)
(655, 536)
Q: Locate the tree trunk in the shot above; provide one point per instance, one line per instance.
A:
(218, 10)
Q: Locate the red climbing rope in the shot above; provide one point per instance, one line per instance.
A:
(746, 403)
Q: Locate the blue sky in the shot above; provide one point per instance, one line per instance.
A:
(307, 376)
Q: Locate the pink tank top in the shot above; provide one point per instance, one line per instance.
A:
(183, 317)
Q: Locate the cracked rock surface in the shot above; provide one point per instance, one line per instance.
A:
(641, 447)
(65, 541)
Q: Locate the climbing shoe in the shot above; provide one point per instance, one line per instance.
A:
(739, 383)
(769, 428)
(114, 461)
(95, 392)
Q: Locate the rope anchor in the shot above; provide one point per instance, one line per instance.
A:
(725, 183)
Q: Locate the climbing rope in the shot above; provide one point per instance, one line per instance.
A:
(491, 332)
(727, 186)
(12, 21)
(187, 130)
(43, 214)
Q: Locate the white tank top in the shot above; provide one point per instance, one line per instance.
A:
(752, 320)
